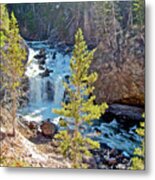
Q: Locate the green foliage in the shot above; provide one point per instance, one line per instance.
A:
(12, 56)
(138, 11)
(137, 163)
(4, 25)
(76, 147)
(81, 108)
(11, 162)
(138, 159)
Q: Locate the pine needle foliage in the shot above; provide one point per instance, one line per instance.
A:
(4, 24)
(81, 108)
(138, 11)
(138, 159)
(12, 63)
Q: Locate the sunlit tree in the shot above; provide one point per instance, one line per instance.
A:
(12, 66)
(81, 108)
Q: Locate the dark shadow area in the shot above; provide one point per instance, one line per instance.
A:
(2, 136)
(40, 139)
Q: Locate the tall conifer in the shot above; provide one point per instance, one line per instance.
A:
(81, 108)
(12, 64)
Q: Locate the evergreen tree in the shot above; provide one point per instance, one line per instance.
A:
(4, 28)
(12, 64)
(81, 108)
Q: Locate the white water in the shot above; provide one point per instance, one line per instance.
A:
(45, 93)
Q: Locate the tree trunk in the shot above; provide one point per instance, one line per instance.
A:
(14, 108)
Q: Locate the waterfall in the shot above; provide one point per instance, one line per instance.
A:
(41, 90)
(46, 90)
(35, 85)
(59, 90)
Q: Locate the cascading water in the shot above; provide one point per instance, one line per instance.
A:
(35, 90)
(46, 89)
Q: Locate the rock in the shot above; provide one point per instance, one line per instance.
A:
(48, 129)
(67, 78)
(119, 158)
(121, 166)
(23, 100)
(91, 162)
(41, 56)
(120, 73)
(97, 158)
(102, 166)
(46, 73)
(54, 55)
(38, 56)
(125, 161)
(33, 125)
(41, 61)
(25, 84)
(68, 50)
(112, 161)
(41, 67)
(124, 113)
(2, 135)
(113, 153)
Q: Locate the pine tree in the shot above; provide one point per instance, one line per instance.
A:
(4, 27)
(81, 108)
(12, 64)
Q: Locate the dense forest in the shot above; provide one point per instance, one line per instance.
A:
(72, 84)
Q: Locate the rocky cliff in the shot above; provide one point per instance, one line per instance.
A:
(121, 73)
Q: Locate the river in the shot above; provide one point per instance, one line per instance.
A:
(46, 70)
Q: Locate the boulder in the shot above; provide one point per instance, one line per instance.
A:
(41, 56)
(33, 125)
(124, 113)
(48, 129)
